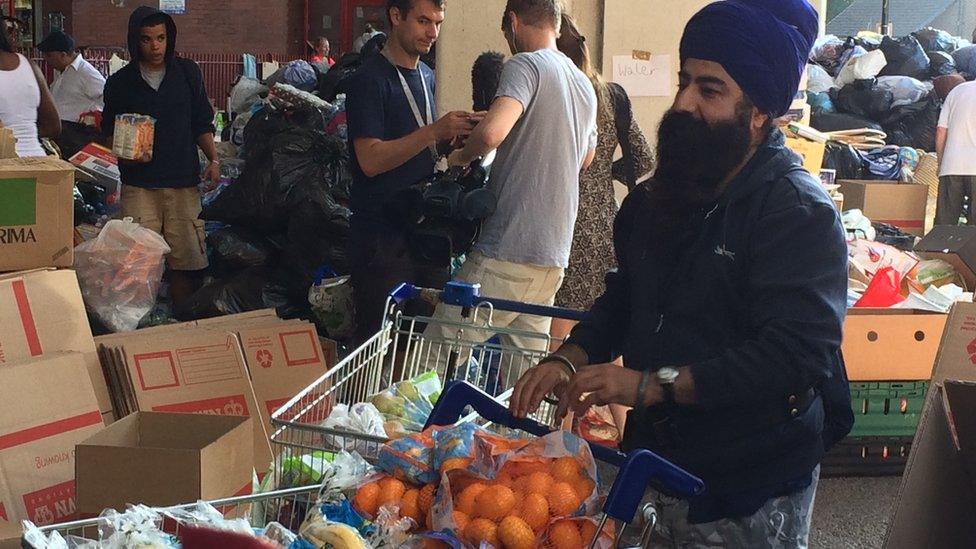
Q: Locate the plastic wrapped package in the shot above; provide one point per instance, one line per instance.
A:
(905, 90)
(857, 225)
(134, 137)
(120, 271)
(240, 248)
(331, 299)
(576, 532)
(818, 80)
(965, 59)
(828, 52)
(862, 65)
(941, 64)
(245, 94)
(906, 57)
(362, 418)
(863, 98)
(936, 40)
(820, 102)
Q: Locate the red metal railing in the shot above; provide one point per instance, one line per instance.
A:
(220, 70)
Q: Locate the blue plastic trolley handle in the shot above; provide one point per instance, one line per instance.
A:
(638, 469)
(462, 294)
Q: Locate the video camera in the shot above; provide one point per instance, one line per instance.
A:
(444, 213)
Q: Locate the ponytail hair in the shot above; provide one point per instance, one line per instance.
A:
(572, 44)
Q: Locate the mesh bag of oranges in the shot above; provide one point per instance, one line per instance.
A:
(508, 500)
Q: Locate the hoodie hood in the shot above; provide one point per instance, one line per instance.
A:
(135, 23)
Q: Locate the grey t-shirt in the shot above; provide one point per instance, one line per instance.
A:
(536, 171)
(153, 78)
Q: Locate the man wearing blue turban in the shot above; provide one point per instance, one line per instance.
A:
(729, 299)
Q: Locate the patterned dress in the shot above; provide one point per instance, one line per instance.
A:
(592, 253)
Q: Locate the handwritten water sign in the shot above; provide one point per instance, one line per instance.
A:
(650, 77)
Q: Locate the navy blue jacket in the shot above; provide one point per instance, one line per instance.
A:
(751, 294)
(181, 108)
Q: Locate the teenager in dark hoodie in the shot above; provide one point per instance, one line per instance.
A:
(162, 194)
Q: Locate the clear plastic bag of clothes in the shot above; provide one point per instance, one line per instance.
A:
(120, 272)
(905, 90)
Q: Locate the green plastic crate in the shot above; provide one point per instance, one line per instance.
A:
(887, 408)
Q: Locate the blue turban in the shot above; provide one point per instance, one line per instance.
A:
(762, 44)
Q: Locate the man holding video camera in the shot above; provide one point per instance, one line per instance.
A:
(394, 142)
(543, 124)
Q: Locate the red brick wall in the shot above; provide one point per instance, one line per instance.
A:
(209, 26)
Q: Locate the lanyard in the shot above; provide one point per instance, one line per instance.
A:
(412, 101)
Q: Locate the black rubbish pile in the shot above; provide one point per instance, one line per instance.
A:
(282, 221)
(846, 91)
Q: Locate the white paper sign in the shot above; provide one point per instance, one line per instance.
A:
(175, 7)
(651, 78)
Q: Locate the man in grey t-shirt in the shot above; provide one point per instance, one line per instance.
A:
(543, 124)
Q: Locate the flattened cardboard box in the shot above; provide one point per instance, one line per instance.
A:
(42, 312)
(891, 344)
(161, 459)
(47, 406)
(196, 372)
(937, 498)
(36, 213)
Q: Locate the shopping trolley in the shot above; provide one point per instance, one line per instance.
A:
(287, 507)
(637, 470)
(475, 351)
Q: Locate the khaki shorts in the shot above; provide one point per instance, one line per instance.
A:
(174, 214)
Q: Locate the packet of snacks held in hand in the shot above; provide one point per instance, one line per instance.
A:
(134, 137)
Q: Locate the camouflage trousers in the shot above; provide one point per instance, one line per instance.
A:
(782, 523)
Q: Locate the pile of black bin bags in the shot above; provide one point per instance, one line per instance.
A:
(283, 220)
(900, 99)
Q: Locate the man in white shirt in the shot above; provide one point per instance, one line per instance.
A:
(77, 90)
(79, 87)
(955, 142)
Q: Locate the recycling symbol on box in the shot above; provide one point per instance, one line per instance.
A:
(234, 409)
(264, 358)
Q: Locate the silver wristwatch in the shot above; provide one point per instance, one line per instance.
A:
(666, 378)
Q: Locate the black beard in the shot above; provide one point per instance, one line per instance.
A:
(691, 152)
(694, 158)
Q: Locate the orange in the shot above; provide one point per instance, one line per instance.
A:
(461, 521)
(366, 500)
(465, 500)
(391, 490)
(535, 511)
(521, 468)
(563, 500)
(514, 533)
(426, 498)
(505, 480)
(538, 483)
(409, 506)
(587, 530)
(494, 502)
(583, 487)
(480, 529)
(455, 463)
(517, 508)
(433, 544)
(566, 469)
(564, 535)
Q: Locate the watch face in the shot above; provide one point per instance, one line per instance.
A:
(667, 375)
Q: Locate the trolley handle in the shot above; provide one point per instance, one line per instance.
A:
(638, 469)
(469, 296)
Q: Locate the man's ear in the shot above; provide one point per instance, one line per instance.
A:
(395, 15)
(758, 122)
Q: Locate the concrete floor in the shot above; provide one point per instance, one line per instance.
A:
(852, 513)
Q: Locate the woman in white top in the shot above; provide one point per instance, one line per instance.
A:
(26, 106)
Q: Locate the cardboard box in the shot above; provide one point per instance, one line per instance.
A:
(957, 352)
(891, 344)
(54, 409)
(162, 459)
(42, 312)
(10, 535)
(954, 245)
(8, 143)
(937, 498)
(97, 164)
(185, 371)
(811, 152)
(36, 213)
(899, 204)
